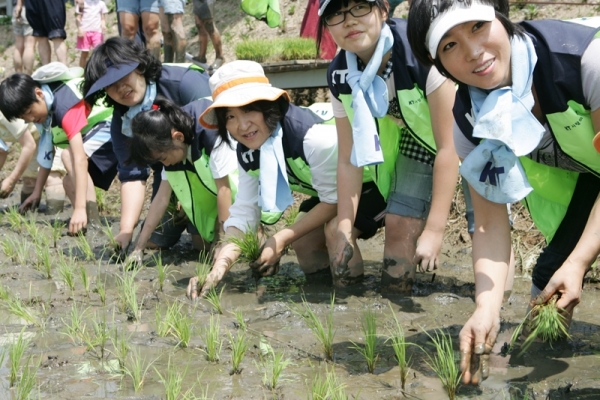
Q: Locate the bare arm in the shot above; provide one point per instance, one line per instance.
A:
(349, 180)
(223, 201)
(445, 176)
(34, 199)
(157, 210)
(132, 201)
(491, 258)
(80, 169)
(27, 150)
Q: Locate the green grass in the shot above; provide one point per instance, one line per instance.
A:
(137, 368)
(544, 321)
(269, 50)
(16, 350)
(324, 332)
(273, 364)
(239, 346)
(249, 245)
(128, 296)
(211, 335)
(443, 362)
(214, 299)
(290, 216)
(369, 331)
(398, 342)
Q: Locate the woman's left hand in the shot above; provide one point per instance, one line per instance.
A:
(428, 250)
(268, 262)
(567, 281)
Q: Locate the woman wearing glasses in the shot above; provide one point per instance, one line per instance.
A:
(394, 117)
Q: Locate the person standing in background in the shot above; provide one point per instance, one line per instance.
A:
(91, 26)
(130, 12)
(171, 25)
(47, 19)
(204, 12)
(24, 52)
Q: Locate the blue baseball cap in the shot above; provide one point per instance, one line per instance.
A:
(324, 3)
(114, 72)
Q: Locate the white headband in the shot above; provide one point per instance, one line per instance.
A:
(456, 15)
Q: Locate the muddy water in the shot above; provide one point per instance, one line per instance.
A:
(71, 371)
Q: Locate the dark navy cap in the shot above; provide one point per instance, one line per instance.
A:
(114, 72)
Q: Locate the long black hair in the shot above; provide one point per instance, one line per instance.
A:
(152, 130)
(273, 112)
(422, 13)
(336, 5)
(119, 51)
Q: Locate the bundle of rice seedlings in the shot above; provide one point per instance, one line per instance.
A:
(544, 321)
(249, 245)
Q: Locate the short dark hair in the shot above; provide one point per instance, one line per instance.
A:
(119, 51)
(17, 94)
(336, 5)
(422, 12)
(152, 131)
(273, 112)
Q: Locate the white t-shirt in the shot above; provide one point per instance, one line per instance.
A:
(222, 161)
(91, 19)
(547, 151)
(320, 149)
(11, 131)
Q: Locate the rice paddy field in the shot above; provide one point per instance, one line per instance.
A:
(75, 323)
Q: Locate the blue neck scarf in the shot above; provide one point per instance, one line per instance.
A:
(45, 146)
(369, 99)
(504, 119)
(145, 105)
(275, 194)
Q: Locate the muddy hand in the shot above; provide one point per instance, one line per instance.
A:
(340, 260)
(265, 269)
(30, 203)
(135, 258)
(192, 288)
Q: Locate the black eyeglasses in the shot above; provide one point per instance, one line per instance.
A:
(359, 10)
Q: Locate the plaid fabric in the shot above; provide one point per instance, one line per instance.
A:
(412, 149)
(386, 72)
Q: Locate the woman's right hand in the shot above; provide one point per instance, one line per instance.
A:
(477, 339)
(214, 277)
(123, 239)
(344, 250)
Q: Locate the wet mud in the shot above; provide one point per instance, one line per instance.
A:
(70, 369)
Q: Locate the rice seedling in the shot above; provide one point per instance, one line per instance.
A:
(44, 263)
(544, 321)
(85, 280)
(120, 349)
(214, 299)
(323, 332)
(97, 338)
(9, 247)
(16, 350)
(65, 271)
(443, 363)
(26, 381)
(163, 327)
(255, 50)
(240, 321)
(4, 294)
(291, 216)
(32, 228)
(399, 344)
(101, 290)
(181, 327)
(75, 325)
(328, 387)
(56, 226)
(164, 271)
(369, 349)
(203, 267)
(101, 200)
(22, 251)
(298, 49)
(16, 307)
(172, 380)
(112, 242)
(85, 248)
(128, 296)
(249, 245)
(239, 346)
(273, 364)
(14, 218)
(211, 335)
(137, 368)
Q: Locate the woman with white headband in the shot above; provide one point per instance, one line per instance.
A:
(394, 120)
(533, 91)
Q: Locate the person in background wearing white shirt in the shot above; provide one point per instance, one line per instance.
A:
(281, 148)
(91, 26)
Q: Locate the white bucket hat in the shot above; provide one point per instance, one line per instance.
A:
(56, 71)
(459, 13)
(237, 84)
